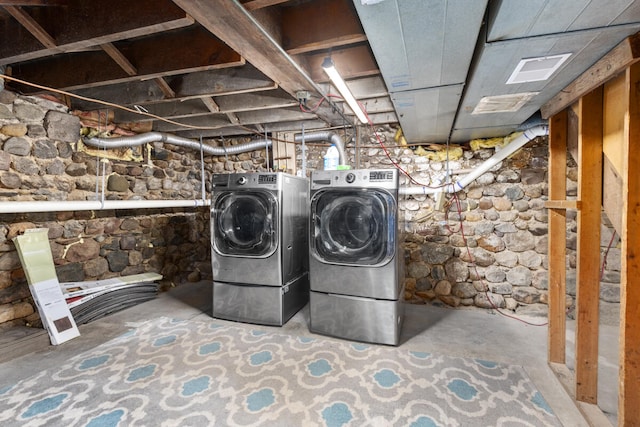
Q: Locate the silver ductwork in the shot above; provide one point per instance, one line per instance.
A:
(145, 138)
(328, 136)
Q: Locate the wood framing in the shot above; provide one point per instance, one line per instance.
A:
(588, 248)
(629, 392)
(557, 229)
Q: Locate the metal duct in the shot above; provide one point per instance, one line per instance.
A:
(329, 136)
(144, 138)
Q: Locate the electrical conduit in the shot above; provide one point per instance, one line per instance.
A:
(499, 156)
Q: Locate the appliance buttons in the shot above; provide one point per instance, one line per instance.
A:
(350, 177)
(242, 180)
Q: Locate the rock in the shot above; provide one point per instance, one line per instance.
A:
(18, 310)
(36, 131)
(450, 300)
(62, 127)
(26, 166)
(530, 259)
(457, 270)
(72, 272)
(526, 295)
(501, 204)
(609, 293)
(494, 274)
(64, 149)
(463, 290)
(130, 224)
(194, 276)
(506, 227)
(418, 270)
(519, 241)
(83, 251)
(533, 310)
(438, 272)
(521, 205)
(443, 287)
(117, 183)
(532, 176)
(96, 267)
(14, 129)
(56, 167)
(17, 146)
(5, 161)
(433, 253)
(118, 260)
(489, 300)
(29, 113)
(135, 258)
(514, 193)
(45, 149)
(519, 276)
(540, 279)
(491, 243)
(501, 288)
(10, 180)
(9, 261)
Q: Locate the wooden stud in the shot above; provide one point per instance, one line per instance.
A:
(590, 116)
(562, 204)
(629, 388)
(557, 237)
(30, 24)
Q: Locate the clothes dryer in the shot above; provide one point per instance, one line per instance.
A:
(259, 246)
(356, 265)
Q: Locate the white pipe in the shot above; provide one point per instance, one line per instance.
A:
(322, 135)
(500, 155)
(95, 205)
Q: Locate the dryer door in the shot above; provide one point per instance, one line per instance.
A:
(353, 227)
(245, 223)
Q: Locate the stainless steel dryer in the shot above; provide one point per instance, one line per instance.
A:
(259, 246)
(356, 265)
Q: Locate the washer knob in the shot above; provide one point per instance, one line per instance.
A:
(242, 180)
(350, 177)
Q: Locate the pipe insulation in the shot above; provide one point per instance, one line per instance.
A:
(145, 138)
(329, 136)
(499, 156)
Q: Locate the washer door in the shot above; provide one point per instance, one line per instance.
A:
(245, 224)
(353, 227)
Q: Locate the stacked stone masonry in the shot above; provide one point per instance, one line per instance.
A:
(488, 249)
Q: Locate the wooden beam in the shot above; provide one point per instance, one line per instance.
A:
(320, 24)
(32, 26)
(259, 4)
(119, 58)
(588, 248)
(230, 22)
(205, 52)
(613, 63)
(562, 204)
(34, 2)
(77, 28)
(210, 103)
(557, 237)
(629, 383)
(164, 87)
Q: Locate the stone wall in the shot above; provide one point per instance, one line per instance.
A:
(488, 247)
(42, 160)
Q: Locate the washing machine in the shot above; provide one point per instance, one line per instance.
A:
(259, 246)
(356, 265)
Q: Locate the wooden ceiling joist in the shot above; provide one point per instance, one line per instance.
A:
(609, 66)
(32, 26)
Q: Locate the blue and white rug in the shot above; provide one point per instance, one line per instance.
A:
(194, 373)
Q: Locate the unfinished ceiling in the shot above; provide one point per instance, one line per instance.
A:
(440, 69)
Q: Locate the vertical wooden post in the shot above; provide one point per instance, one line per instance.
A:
(590, 126)
(557, 237)
(629, 391)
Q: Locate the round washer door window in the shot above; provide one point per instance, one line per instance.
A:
(354, 226)
(245, 224)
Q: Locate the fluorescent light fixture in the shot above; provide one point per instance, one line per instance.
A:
(330, 68)
(503, 103)
(536, 69)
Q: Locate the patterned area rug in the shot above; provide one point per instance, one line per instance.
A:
(194, 373)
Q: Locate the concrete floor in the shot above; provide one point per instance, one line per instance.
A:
(455, 332)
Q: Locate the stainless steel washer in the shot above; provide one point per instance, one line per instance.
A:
(259, 255)
(356, 265)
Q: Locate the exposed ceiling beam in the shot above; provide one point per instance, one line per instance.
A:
(90, 24)
(230, 22)
(210, 103)
(119, 58)
(32, 26)
(164, 87)
(34, 2)
(259, 4)
(352, 62)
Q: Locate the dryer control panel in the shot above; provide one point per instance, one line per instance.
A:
(365, 178)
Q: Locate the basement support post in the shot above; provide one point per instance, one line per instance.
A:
(557, 237)
(590, 137)
(629, 388)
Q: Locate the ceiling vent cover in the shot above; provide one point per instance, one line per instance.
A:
(503, 103)
(536, 69)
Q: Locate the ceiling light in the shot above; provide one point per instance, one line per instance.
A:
(330, 68)
(536, 69)
(503, 103)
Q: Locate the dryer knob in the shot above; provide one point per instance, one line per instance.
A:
(242, 180)
(350, 178)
